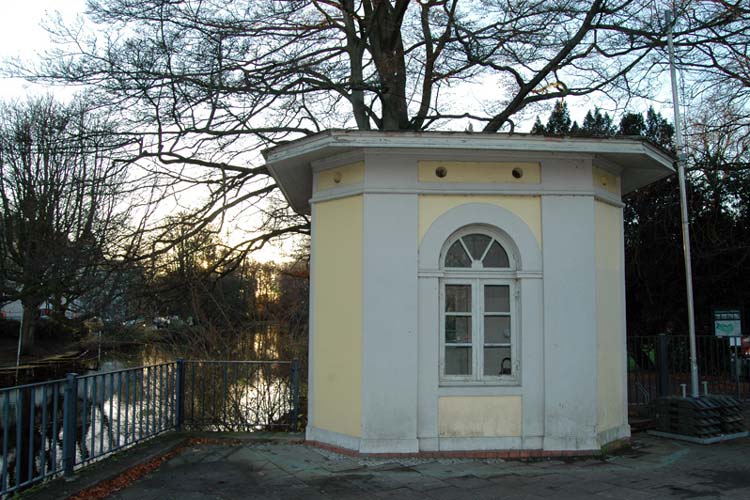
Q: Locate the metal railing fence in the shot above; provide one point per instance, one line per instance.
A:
(660, 364)
(32, 422)
(120, 408)
(55, 427)
(240, 396)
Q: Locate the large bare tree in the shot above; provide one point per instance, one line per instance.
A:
(59, 194)
(209, 82)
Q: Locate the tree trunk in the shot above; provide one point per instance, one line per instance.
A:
(28, 327)
(355, 48)
(387, 49)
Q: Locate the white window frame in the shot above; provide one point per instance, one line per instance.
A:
(477, 278)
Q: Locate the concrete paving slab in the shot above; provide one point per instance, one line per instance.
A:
(468, 482)
(516, 481)
(106, 469)
(424, 484)
(402, 493)
(624, 493)
(652, 468)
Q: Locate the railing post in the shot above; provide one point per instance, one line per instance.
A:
(737, 360)
(180, 394)
(662, 364)
(70, 419)
(295, 394)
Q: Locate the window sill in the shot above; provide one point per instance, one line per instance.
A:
(480, 383)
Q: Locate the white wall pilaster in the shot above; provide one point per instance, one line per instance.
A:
(389, 378)
(570, 354)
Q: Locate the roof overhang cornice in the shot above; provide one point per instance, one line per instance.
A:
(290, 164)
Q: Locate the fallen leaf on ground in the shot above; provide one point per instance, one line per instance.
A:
(106, 488)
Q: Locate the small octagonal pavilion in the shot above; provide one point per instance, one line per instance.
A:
(467, 290)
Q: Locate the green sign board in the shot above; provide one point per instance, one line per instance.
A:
(727, 322)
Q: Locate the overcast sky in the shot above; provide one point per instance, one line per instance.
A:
(22, 35)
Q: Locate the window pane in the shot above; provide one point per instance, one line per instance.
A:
(458, 329)
(477, 244)
(458, 360)
(458, 298)
(497, 361)
(496, 256)
(497, 298)
(496, 329)
(456, 256)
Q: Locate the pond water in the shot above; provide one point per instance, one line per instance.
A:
(261, 342)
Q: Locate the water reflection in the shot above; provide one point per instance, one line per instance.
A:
(239, 396)
(109, 411)
(124, 402)
(263, 341)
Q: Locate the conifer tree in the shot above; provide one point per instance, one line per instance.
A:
(632, 124)
(658, 129)
(597, 124)
(538, 128)
(559, 120)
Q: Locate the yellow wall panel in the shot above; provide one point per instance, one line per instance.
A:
(528, 208)
(479, 172)
(609, 316)
(480, 416)
(347, 175)
(606, 180)
(337, 316)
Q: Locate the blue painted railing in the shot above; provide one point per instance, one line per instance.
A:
(55, 427)
(32, 418)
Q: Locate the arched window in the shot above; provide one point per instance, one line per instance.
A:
(478, 303)
(476, 251)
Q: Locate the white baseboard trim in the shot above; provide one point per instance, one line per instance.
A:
(332, 438)
(389, 446)
(480, 443)
(429, 444)
(613, 434)
(553, 443)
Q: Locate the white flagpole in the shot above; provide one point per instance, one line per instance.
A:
(20, 340)
(680, 146)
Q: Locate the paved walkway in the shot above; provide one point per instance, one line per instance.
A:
(653, 468)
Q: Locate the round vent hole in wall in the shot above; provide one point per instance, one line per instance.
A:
(337, 177)
(441, 172)
(517, 173)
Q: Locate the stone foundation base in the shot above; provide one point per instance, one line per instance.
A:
(480, 454)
